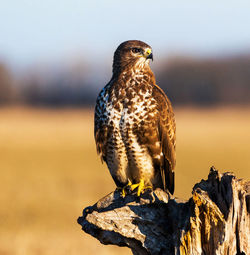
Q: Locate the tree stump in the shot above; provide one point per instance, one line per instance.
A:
(215, 220)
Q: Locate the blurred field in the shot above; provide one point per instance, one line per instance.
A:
(50, 172)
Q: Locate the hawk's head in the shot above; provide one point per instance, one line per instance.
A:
(132, 54)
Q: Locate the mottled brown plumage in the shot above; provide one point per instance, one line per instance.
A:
(134, 123)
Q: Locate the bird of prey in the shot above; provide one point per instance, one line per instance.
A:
(134, 123)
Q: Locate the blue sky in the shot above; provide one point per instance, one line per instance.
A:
(35, 30)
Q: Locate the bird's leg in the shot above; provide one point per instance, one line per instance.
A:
(141, 187)
(123, 190)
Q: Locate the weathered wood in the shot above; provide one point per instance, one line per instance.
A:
(215, 220)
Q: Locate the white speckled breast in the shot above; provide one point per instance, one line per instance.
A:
(125, 155)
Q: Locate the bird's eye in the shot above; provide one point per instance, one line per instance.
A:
(136, 50)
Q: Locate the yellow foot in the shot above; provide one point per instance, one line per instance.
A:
(124, 189)
(141, 187)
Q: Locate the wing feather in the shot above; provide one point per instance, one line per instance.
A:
(167, 138)
(101, 129)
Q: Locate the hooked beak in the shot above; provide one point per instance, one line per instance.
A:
(150, 56)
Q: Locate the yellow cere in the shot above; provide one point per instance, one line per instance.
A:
(148, 51)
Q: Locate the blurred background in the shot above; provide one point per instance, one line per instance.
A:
(55, 56)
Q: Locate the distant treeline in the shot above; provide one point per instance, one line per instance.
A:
(205, 82)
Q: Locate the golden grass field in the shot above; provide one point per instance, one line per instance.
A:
(50, 172)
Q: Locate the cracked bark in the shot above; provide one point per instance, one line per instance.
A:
(215, 220)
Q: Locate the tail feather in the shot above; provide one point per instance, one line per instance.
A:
(167, 176)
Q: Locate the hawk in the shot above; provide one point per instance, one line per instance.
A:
(135, 129)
